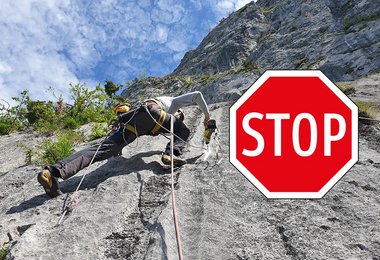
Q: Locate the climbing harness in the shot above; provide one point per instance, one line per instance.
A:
(210, 129)
(163, 127)
(73, 199)
(161, 120)
(129, 127)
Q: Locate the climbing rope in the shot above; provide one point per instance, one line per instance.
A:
(172, 133)
(137, 136)
(206, 150)
(68, 202)
(175, 216)
(75, 200)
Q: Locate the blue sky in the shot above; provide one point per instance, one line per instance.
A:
(56, 42)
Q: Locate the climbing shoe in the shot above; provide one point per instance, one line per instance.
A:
(49, 183)
(176, 160)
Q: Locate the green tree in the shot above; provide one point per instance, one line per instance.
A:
(14, 118)
(89, 105)
(18, 112)
(111, 88)
(40, 110)
(51, 151)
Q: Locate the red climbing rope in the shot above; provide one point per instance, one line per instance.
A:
(175, 217)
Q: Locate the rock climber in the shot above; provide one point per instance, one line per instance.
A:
(150, 117)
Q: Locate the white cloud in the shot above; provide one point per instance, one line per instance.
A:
(144, 3)
(177, 56)
(240, 3)
(161, 33)
(29, 48)
(168, 12)
(5, 68)
(177, 45)
(223, 7)
(197, 4)
(53, 43)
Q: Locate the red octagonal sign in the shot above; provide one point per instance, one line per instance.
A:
(294, 134)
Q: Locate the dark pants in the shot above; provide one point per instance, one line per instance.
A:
(115, 142)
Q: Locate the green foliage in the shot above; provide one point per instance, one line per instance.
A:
(9, 125)
(348, 90)
(18, 112)
(70, 122)
(46, 127)
(366, 109)
(29, 153)
(266, 10)
(347, 22)
(298, 63)
(98, 131)
(249, 66)
(111, 88)
(38, 114)
(117, 99)
(51, 151)
(189, 80)
(37, 110)
(3, 252)
(89, 105)
(265, 35)
(205, 77)
(42, 116)
(5, 127)
(13, 118)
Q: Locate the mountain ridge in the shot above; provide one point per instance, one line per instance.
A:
(340, 38)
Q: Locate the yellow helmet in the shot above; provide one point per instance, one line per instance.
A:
(122, 108)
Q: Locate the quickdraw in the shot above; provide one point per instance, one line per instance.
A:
(66, 208)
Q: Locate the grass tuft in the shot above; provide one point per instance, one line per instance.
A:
(98, 130)
(366, 109)
(3, 252)
(347, 90)
(51, 151)
(347, 22)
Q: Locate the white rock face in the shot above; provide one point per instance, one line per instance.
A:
(125, 208)
(341, 38)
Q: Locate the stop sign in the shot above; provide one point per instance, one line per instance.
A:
(293, 134)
